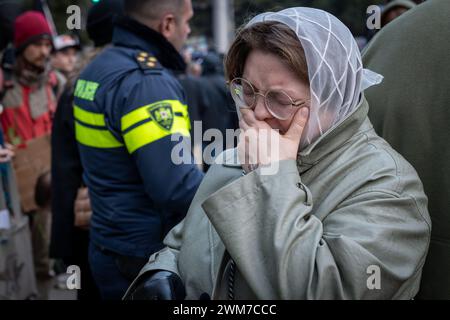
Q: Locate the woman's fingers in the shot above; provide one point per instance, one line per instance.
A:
(248, 116)
(259, 144)
(248, 148)
(298, 124)
(243, 125)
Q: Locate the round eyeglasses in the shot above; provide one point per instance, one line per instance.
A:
(278, 103)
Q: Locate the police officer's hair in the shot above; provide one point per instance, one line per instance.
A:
(153, 9)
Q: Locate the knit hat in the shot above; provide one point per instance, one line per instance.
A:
(100, 21)
(29, 27)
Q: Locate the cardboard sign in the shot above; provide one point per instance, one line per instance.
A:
(29, 164)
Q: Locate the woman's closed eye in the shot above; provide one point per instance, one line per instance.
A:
(279, 98)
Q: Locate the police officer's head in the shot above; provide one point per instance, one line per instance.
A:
(169, 17)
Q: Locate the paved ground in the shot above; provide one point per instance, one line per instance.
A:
(58, 294)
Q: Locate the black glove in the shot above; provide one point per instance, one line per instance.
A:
(159, 285)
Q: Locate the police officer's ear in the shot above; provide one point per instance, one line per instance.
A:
(167, 26)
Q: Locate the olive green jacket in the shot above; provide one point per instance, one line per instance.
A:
(349, 220)
(411, 110)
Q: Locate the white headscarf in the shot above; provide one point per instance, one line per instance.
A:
(335, 70)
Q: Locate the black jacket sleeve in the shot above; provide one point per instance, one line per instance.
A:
(66, 178)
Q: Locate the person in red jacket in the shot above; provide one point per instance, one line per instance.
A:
(29, 98)
(30, 95)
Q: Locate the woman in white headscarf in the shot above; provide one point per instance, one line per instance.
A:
(319, 207)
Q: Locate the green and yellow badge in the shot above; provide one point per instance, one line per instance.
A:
(162, 114)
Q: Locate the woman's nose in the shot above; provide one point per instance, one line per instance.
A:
(261, 112)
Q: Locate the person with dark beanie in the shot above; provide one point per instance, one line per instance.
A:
(100, 21)
(30, 99)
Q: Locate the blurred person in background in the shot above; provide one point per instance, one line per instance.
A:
(16, 252)
(410, 109)
(395, 9)
(221, 113)
(194, 69)
(415, 1)
(71, 209)
(9, 10)
(29, 99)
(209, 102)
(66, 53)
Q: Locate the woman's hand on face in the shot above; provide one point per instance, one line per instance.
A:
(259, 144)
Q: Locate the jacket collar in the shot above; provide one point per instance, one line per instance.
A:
(335, 137)
(132, 34)
(329, 142)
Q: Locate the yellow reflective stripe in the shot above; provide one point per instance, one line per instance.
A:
(97, 138)
(95, 119)
(142, 113)
(150, 132)
(187, 118)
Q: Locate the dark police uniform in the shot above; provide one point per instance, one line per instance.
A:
(128, 108)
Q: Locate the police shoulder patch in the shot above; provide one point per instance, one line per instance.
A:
(147, 62)
(162, 114)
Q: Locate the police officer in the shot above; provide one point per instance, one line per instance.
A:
(130, 112)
